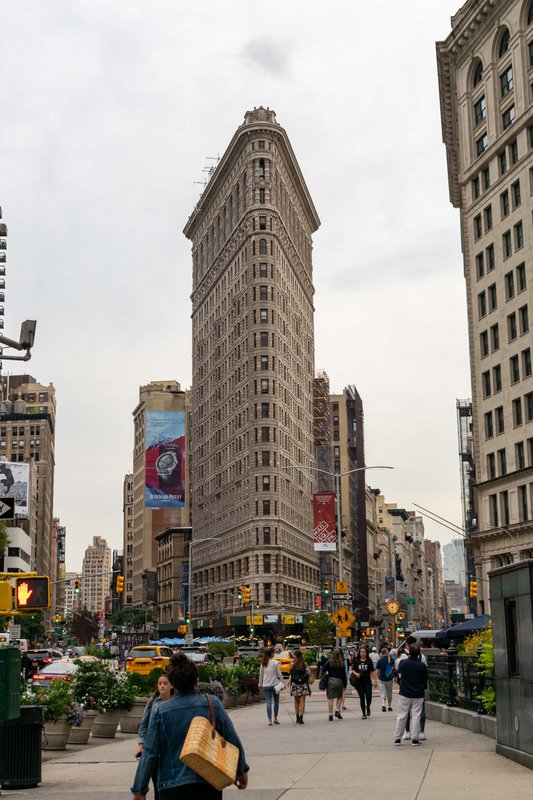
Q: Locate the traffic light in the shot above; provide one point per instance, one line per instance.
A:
(240, 591)
(5, 596)
(326, 587)
(318, 602)
(246, 594)
(32, 593)
(473, 588)
(57, 618)
(120, 584)
(187, 618)
(77, 585)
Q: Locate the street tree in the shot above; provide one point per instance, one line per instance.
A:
(320, 629)
(130, 617)
(84, 625)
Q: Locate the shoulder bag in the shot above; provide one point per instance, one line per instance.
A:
(208, 754)
(323, 683)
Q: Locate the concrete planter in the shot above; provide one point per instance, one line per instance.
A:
(81, 735)
(242, 699)
(130, 720)
(105, 725)
(229, 701)
(56, 734)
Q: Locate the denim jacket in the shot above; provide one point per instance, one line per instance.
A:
(143, 727)
(169, 723)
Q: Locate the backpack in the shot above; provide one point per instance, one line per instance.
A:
(299, 677)
(389, 670)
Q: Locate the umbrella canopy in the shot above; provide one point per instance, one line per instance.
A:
(465, 628)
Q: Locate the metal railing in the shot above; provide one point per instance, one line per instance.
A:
(455, 680)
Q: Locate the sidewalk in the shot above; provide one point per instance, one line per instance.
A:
(344, 758)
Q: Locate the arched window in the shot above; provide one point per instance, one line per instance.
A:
(504, 43)
(477, 75)
(530, 14)
(262, 247)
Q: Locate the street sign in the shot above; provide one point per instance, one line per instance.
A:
(341, 586)
(343, 618)
(14, 630)
(342, 596)
(411, 601)
(343, 633)
(189, 638)
(7, 508)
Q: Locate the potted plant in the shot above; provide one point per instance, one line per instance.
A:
(115, 694)
(60, 711)
(131, 718)
(84, 690)
(211, 687)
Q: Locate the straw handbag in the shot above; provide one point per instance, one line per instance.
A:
(207, 753)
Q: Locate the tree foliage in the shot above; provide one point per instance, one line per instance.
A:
(131, 617)
(84, 625)
(31, 628)
(320, 629)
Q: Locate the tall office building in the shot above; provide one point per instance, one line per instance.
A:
(96, 576)
(156, 494)
(349, 459)
(486, 96)
(27, 434)
(253, 367)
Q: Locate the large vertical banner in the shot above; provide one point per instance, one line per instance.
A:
(325, 527)
(15, 482)
(390, 589)
(165, 459)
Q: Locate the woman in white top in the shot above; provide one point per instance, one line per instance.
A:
(269, 676)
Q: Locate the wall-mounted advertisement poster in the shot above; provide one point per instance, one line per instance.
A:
(165, 459)
(325, 526)
(15, 482)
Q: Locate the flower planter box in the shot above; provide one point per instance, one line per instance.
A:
(130, 720)
(229, 701)
(106, 724)
(80, 735)
(56, 734)
(242, 699)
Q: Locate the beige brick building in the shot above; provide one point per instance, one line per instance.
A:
(163, 406)
(253, 367)
(96, 576)
(486, 77)
(27, 434)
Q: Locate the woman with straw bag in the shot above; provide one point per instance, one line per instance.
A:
(167, 733)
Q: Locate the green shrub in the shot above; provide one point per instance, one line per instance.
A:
(140, 684)
(152, 678)
(221, 649)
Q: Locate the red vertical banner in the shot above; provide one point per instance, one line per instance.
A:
(325, 527)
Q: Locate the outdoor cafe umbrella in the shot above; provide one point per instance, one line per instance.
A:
(465, 628)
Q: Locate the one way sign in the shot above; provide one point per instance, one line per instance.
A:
(7, 508)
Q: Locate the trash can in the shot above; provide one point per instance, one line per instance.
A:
(9, 682)
(20, 749)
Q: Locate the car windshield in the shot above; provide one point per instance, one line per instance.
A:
(59, 668)
(146, 652)
(284, 654)
(197, 656)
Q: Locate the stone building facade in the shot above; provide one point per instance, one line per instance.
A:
(253, 367)
(486, 75)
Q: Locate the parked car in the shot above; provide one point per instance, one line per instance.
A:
(201, 658)
(60, 670)
(250, 651)
(144, 658)
(285, 658)
(40, 658)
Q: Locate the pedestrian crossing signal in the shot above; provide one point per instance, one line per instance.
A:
(32, 593)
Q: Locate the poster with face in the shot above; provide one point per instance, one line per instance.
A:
(15, 482)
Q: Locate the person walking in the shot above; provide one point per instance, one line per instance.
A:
(362, 670)
(163, 691)
(167, 730)
(403, 653)
(336, 682)
(413, 675)
(299, 685)
(385, 673)
(269, 676)
(374, 657)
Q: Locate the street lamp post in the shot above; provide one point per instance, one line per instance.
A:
(189, 588)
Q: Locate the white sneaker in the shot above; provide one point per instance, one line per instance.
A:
(422, 736)
(406, 735)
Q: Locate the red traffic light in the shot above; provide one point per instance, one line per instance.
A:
(32, 593)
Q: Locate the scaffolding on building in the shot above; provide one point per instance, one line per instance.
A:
(466, 461)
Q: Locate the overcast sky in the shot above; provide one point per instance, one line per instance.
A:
(110, 110)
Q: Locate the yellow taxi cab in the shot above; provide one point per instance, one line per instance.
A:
(144, 658)
(285, 658)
